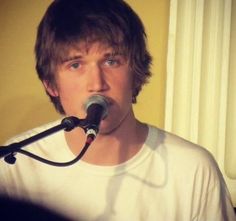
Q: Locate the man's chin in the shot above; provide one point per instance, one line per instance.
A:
(106, 128)
(104, 131)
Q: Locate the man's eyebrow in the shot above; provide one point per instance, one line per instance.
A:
(76, 57)
(113, 54)
(71, 58)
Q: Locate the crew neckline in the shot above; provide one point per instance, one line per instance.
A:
(118, 169)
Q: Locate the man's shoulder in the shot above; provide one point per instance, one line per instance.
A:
(31, 132)
(43, 146)
(179, 149)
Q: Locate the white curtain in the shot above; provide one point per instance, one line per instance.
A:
(201, 78)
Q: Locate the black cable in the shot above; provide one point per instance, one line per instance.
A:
(59, 164)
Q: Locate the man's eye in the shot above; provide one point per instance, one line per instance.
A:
(75, 65)
(112, 62)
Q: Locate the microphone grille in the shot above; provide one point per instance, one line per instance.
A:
(97, 99)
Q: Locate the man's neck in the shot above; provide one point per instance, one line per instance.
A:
(111, 149)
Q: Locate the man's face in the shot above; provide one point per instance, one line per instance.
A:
(95, 70)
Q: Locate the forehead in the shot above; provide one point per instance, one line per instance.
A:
(95, 47)
(84, 48)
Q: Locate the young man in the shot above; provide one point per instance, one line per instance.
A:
(132, 171)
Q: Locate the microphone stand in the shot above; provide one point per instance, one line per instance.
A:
(68, 124)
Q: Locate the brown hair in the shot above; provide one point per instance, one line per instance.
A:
(68, 22)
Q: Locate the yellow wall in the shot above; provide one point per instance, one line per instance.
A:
(23, 102)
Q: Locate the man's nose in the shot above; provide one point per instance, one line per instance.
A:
(96, 79)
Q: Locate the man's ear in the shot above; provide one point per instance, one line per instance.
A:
(51, 90)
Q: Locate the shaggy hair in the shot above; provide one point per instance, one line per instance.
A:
(67, 23)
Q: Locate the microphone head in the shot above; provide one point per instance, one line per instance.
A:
(96, 108)
(97, 100)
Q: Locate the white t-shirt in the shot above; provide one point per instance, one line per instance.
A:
(169, 179)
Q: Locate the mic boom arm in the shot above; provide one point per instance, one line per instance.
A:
(68, 124)
(96, 108)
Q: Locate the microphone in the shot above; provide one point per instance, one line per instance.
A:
(97, 109)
